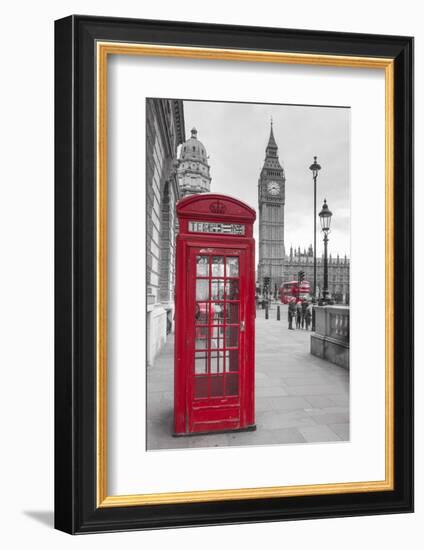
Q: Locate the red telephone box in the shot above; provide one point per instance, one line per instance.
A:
(214, 316)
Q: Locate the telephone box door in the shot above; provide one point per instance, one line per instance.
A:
(216, 338)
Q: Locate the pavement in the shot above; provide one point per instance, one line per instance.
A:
(299, 397)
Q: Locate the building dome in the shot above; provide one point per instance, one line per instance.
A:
(193, 149)
(193, 167)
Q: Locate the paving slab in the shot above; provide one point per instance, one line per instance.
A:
(320, 401)
(317, 434)
(342, 430)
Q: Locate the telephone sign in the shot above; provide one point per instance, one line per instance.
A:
(210, 227)
(214, 316)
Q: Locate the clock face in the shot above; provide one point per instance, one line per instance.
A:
(273, 188)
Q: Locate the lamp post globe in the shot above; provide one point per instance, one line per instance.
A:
(325, 218)
(315, 167)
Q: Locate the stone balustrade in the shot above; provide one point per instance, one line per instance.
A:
(331, 338)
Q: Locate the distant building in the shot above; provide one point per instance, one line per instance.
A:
(164, 133)
(193, 167)
(338, 272)
(271, 200)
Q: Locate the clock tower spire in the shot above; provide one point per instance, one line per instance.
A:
(271, 198)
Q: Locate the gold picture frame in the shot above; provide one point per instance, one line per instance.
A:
(106, 49)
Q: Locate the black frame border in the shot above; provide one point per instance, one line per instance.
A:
(75, 274)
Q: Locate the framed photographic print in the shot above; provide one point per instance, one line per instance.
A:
(234, 274)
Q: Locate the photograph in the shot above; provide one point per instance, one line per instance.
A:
(247, 273)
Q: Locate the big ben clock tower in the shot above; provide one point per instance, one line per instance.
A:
(271, 198)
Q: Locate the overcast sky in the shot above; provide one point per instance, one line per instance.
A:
(235, 136)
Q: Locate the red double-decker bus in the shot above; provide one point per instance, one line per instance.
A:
(292, 291)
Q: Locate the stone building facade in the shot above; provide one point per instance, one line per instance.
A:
(338, 272)
(271, 200)
(164, 133)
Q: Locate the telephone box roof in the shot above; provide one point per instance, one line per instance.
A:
(214, 205)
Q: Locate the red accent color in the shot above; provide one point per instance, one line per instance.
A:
(292, 292)
(217, 208)
(214, 318)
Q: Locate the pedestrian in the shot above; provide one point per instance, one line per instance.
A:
(291, 314)
(308, 316)
(304, 306)
(298, 314)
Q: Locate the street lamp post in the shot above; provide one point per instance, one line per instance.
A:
(315, 168)
(325, 218)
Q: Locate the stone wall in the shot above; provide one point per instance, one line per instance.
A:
(331, 338)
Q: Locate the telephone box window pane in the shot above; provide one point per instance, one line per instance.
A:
(217, 385)
(200, 363)
(217, 289)
(218, 313)
(217, 266)
(231, 336)
(232, 289)
(201, 386)
(202, 289)
(217, 362)
(202, 266)
(217, 337)
(202, 314)
(232, 384)
(232, 267)
(232, 363)
(232, 312)
(201, 341)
